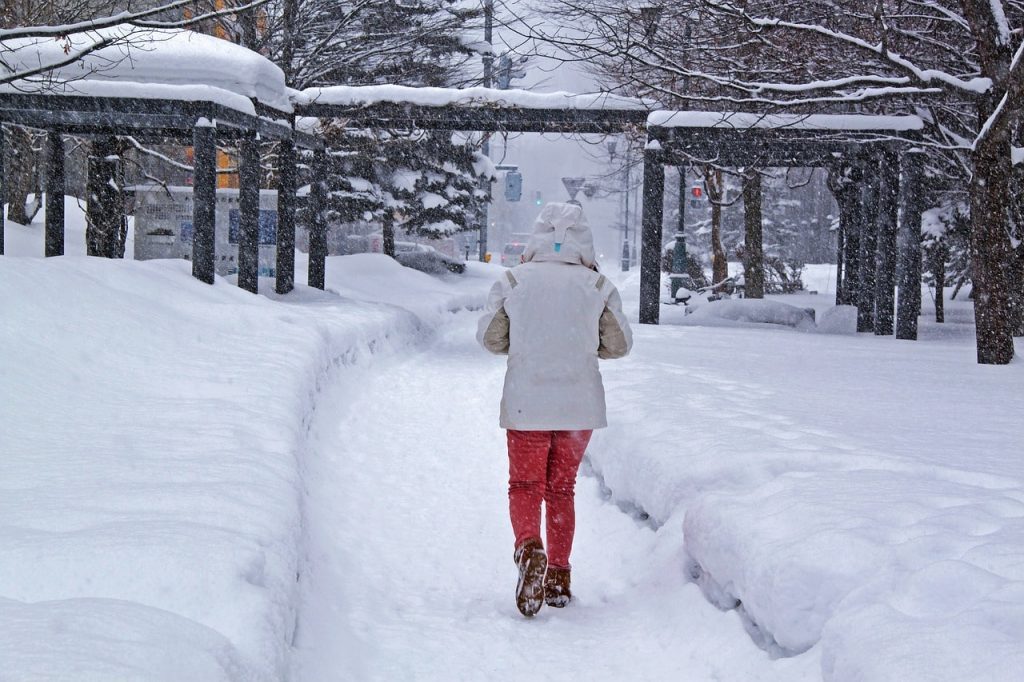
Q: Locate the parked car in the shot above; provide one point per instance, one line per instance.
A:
(426, 259)
(512, 254)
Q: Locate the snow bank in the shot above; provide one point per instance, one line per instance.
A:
(154, 435)
(859, 497)
(851, 549)
(30, 240)
(752, 311)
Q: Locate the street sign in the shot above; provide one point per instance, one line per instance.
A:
(513, 186)
(573, 186)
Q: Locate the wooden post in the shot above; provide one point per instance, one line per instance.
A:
(650, 250)
(249, 214)
(286, 181)
(867, 248)
(54, 194)
(911, 204)
(3, 187)
(318, 224)
(204, 200)
(753, 252)
(885, 245)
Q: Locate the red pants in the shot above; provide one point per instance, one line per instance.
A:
(542, 465)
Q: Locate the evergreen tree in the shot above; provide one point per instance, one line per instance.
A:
(427, 183)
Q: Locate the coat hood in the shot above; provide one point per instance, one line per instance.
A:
(561, 234)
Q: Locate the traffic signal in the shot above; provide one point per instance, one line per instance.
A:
(695, 196)
(513, 186)
(537, 199)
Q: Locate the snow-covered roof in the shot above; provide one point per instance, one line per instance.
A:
(151, 64)
(366, 95)
(849, 122)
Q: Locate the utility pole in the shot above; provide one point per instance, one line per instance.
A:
(626, 259)
(486, 148)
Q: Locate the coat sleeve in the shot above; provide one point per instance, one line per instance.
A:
(492, 330)
(616, 338)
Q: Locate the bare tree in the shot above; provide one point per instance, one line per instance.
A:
(955, 63)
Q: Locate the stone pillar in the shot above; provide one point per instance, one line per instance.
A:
(249, 214)
(286, 185)
(650, 251)
(204, 200)
(867, 251)
(54, 194)
(885, 245)
(318, 224)
(911, 207)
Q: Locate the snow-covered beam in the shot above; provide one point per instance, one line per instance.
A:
(468, 98)
(472, 109)
(145, 118)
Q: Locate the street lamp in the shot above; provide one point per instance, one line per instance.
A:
(612, 145)
(679, 252)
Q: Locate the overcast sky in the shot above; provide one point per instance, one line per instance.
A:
(545, 159)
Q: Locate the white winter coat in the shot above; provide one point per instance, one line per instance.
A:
(555, 316)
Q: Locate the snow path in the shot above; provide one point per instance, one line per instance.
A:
(410, 574)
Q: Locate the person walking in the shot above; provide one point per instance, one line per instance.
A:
(554, 316)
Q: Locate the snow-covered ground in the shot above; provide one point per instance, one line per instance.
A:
(202, 484)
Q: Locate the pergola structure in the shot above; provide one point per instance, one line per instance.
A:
(881, 148)
(201, 123)
(155, 85)
(240, 96)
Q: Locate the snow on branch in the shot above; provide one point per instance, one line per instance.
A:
(739, 120)
(974, 86)
(94, 35)
(1014, 91)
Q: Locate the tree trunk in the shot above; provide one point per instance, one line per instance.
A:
(388, 232)
(23, 166)
(753, 253)
(719, 264)
(1017, 221)
(991, 250)
(106, 227)
(939, 257)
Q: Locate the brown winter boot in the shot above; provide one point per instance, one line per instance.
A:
(556, 587)
(532, 562)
